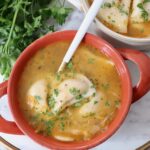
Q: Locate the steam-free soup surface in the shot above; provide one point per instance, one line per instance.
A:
(93, 86)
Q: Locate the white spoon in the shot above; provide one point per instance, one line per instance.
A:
(81, 32)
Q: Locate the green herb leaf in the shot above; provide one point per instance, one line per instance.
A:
(56, 92)
(62, 126)
(79, 97)
(74, 91)
(106, 5)
(60, 13)
(94, 94)
(70, 65)
(122, 9)
(107, 104)
(22, 22)
(91, 60)
(146, 1)
(95, 102)
(144, 13)
(77, 104)
(38, 98)
(58, 77)
(117, 103)
(51, 101)
(105, 86)
(49, 126)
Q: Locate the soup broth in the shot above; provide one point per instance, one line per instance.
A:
(69, 124)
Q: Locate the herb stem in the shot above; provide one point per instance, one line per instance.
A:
(4, 9)
(12, 27)
(63, 3)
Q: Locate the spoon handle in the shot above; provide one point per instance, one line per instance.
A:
(81, 32)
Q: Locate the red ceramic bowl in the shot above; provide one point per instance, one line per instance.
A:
(129, 94)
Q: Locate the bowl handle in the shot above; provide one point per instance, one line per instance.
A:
(7, 126)
(76, 3)
(143, 63)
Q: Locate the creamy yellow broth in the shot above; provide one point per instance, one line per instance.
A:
(137, 30)
(87, 61)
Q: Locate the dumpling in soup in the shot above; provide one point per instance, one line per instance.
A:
(116, 14)
(71, 91)
(37, 95)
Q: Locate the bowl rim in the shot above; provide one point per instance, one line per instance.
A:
(110, 32)
(49, 142)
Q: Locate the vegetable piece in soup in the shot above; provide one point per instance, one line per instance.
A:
(75, 104)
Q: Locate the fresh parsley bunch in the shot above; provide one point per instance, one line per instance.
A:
(23, 21)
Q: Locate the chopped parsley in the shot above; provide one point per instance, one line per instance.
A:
(62, 118)
(77, 104)
(58, 77)
(95, 102)
(35, 117)
(62, 126)
(107, 103)
(49, 123)
(117, 103)
(48, 113)
(49, 126)
(91, 60)
(79, 97)
(38, 98)
(106, 5)
(144, 13)
(51, 101)
(56, 92)
(70, 65)
(105, 86)
(113, 21)
(95, 83)
(74, 91)
(113, 4)
(121, 9)
(94, 94)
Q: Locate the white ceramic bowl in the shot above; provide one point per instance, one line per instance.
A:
(137, 43)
